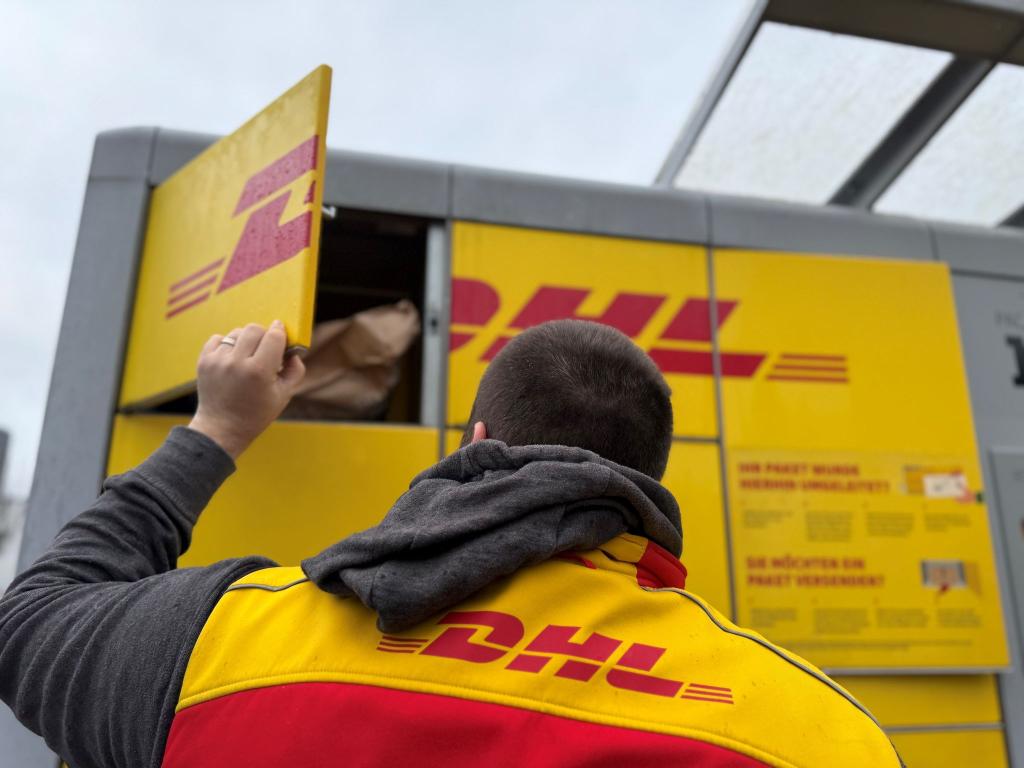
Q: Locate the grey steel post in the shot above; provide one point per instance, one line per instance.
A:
(699, 117)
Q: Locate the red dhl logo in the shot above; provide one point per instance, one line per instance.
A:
(265, 242)
(581, 659)
(475, 302)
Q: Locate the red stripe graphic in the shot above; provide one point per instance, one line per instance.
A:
(835, 358)
(265, 242)
(394, 650)
(696, 362)
(728, 691)
(181, 308)
(194, 289)
(820, 379)
(693, 321)
(282, 171)
(825, 368)
(211, 266)
(407, 639)
(456, 340)
(474, 302)
(704, 698)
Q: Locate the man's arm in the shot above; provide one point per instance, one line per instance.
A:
(95, 636)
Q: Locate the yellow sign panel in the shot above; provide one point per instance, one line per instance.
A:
(298, 489)
(860, 537)
(839, 559)
(506, 279)
(232, 238)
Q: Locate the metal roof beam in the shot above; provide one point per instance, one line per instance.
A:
(974, 29)
(694, 125)
(1015, 219)
(911, 132)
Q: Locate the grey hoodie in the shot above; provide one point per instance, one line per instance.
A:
(483, 513)
(96, 635)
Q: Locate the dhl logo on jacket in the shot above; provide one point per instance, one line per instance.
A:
(598, 657)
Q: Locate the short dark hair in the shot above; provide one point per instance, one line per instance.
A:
(578, 383)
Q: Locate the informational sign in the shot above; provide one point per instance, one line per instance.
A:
(859, 528)
(506, 279)
(232, 238)
(865, 559)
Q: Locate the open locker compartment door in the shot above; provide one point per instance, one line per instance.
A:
(233, 238)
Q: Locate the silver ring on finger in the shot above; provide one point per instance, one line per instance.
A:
(229, 340)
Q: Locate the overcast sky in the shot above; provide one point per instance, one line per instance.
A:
(587, 88)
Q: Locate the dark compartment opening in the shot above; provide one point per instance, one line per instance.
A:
(367, 259)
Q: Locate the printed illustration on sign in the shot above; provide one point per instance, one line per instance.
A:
(581, 659)
(476, 302)
(265, 242)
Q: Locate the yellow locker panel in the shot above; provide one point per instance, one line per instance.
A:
(693, 477)
(859, 528)
(952, 749)
(299, 488)
(232, 238)
(505, 279)
(908, 700)
(452, 438)
(855, 355)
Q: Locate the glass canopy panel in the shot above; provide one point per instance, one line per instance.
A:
(803, 110)
(972, 170)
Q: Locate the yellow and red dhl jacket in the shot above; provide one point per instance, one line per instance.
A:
(596, 658)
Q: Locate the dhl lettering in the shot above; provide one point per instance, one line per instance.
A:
(265, 242)
(475, 303)
(583, 655)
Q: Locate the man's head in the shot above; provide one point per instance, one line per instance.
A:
(578, 383)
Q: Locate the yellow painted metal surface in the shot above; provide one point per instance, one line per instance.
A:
(875, 341)
(452, 438)
(693, 477)
(299, 488)
(909, 700)
(505, 279)
(232, 238)
(953, 749)
(860, 536)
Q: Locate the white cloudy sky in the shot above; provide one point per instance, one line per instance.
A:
(587, 88)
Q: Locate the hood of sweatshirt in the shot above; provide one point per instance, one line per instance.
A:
(483, 513)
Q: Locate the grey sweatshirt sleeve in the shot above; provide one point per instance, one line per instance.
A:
(96, 634)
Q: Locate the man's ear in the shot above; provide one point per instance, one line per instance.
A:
(479, 432)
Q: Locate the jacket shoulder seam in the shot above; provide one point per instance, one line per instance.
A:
(763, 643)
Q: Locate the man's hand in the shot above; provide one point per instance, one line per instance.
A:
(244, 386)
